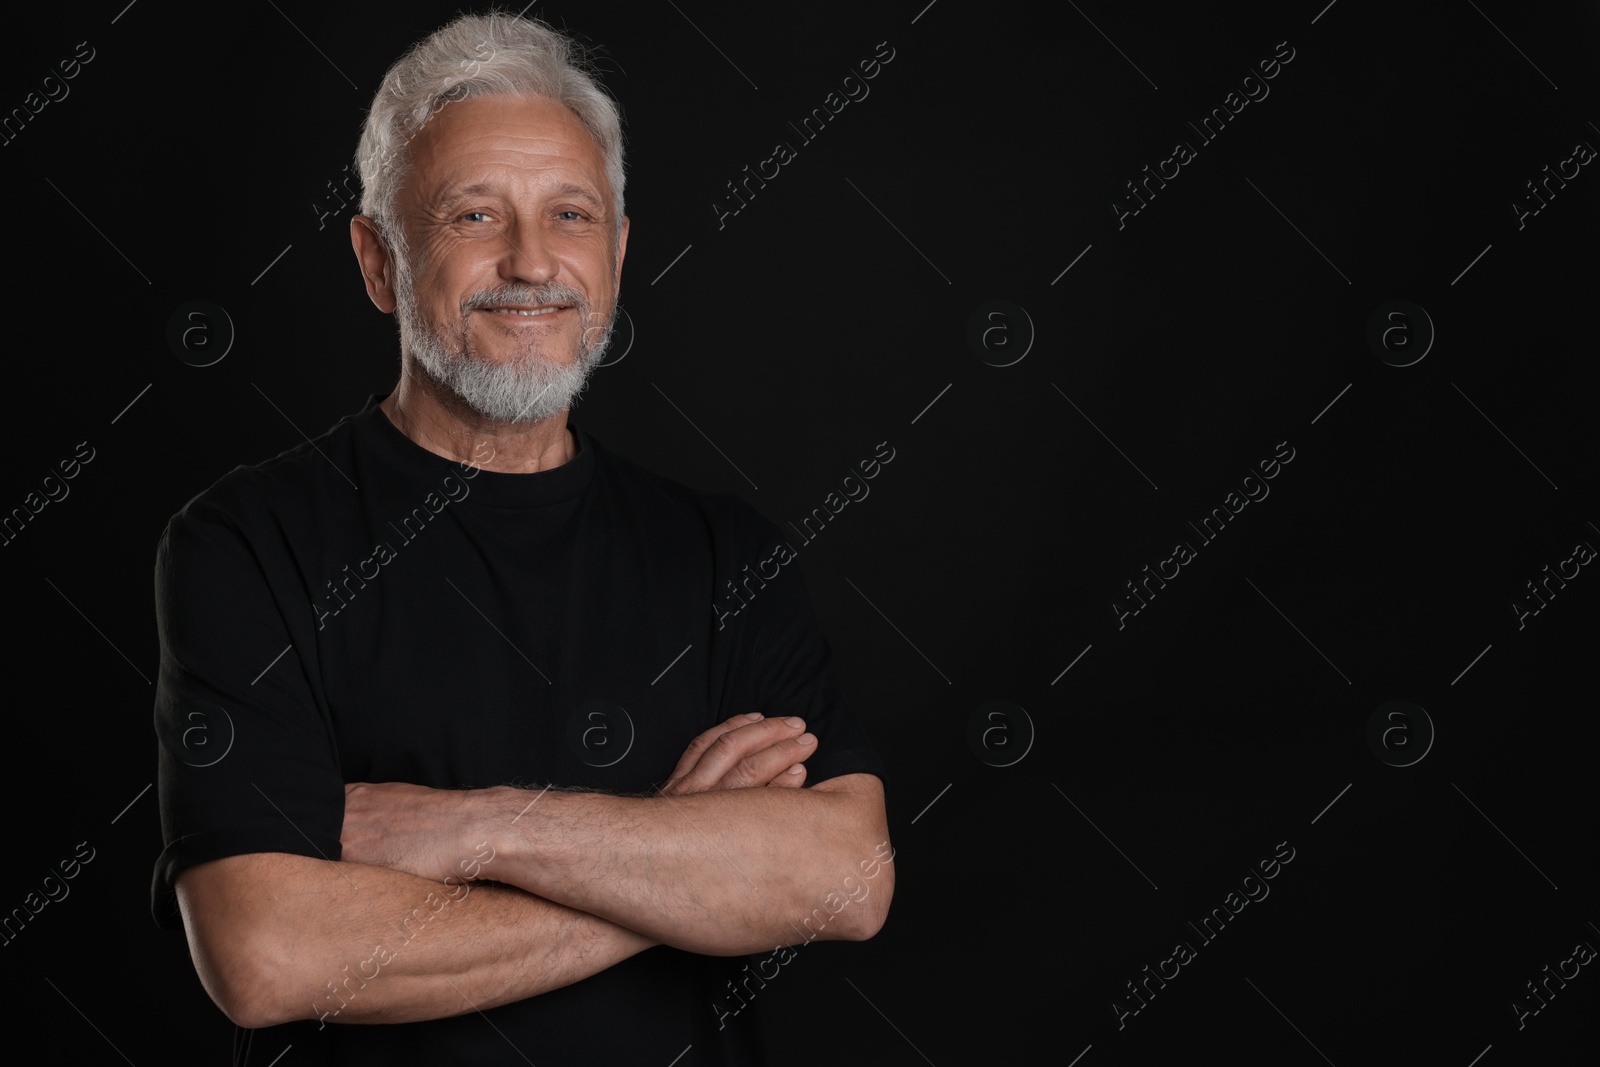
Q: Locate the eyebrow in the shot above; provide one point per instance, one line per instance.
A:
(564, 191)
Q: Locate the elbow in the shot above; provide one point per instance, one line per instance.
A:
(860, 906)
(872, 891)
(249, 999)
(238, 949)
(254, 965)
(248, 1013)
(253, 996)
(864, 926)
(869, 912)
(255, 1006)
(853, 910)
(250, 981)
(875, 917)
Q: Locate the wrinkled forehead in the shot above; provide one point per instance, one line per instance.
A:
(510, 144)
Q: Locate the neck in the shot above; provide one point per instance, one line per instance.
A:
(439, 421)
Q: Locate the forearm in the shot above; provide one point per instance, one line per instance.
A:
(278, 937)
(722, 873)
(731, 856)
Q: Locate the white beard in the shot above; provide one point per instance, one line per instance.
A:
(531, 387)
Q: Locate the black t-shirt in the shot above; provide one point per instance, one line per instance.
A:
(360, 609)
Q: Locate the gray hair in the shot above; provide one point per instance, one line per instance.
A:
(478, 55)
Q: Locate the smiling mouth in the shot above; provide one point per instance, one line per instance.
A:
(527, 312)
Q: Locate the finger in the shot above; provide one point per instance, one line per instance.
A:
(749, 756)
(697, 747)
(769, 764)
(729, 749)
(793, 778)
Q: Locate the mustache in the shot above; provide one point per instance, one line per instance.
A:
(515, 293)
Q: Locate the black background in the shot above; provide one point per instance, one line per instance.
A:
(1224, 318)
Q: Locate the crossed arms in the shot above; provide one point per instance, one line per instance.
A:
(729, 858)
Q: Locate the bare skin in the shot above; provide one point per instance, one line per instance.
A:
(709, 865)
(277, 937)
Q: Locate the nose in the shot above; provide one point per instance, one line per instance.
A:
(528, 256)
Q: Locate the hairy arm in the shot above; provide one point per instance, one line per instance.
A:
(277, 937)
(721, 873)
(707, 865)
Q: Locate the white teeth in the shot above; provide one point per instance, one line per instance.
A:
(520, 311)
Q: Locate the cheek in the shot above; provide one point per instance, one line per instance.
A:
(446, 270)
(593, 271)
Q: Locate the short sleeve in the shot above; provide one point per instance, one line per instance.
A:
(788, 669)
(247, 758)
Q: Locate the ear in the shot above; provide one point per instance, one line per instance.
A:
(622, 250)
(377, 268)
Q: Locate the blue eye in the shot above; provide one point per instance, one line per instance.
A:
(468, 216)
(575, 216)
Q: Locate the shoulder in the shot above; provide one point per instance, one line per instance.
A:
(304, 479)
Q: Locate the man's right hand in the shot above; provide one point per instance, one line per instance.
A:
(742, 752)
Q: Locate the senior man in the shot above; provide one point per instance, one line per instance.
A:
(496, 769)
